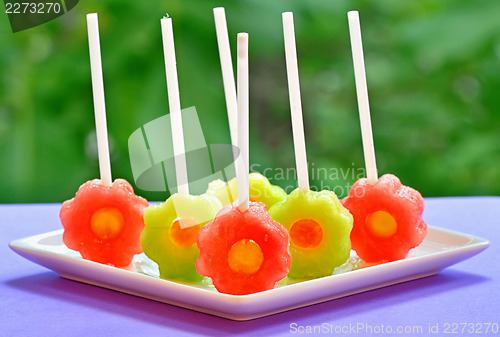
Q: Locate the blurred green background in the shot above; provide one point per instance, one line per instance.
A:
(433, 70)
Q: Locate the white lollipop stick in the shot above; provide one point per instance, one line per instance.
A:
(174, 106)
(227, 73)
(292, 68)
(362, 92)
(242, 163)
(98, 92)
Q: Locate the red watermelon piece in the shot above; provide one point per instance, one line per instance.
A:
(387, 219)
(104, 223)
(243, 252)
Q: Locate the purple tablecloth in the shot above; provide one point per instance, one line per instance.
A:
(35, 301)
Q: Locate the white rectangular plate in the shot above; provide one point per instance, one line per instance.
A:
(440, 249)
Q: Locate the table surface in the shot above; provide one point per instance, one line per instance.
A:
(35, 301)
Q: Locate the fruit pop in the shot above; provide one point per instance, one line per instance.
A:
(387, 215)
(261, 190)
(169, 237)
(318, 224)
(243, 250)
(104, 219)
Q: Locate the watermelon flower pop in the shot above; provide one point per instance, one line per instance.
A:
(261, 190)
(243, 249)
(104, 223)
(318, 224)
(387, 215)
(169, 237)
(104, 220)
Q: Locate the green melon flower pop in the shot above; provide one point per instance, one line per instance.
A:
(261, 190)
(318, 224)
(169, 237)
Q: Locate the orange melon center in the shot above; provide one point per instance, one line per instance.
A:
(107, 222)
(381, 224)
(306, 233)
(245, 256)
(184, 237)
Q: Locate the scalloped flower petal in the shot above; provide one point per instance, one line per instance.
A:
(403, 203)
(76, 215)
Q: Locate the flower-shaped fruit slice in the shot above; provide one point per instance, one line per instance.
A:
(169, 237)
(243, 252)
(221, 190)
(387, 219)
(319, 228)
(261, 190)
(104, 223)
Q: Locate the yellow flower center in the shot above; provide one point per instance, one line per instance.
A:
(381, 224)
(184, 237)
(107, 222)
(306, 233)
(245, 256)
